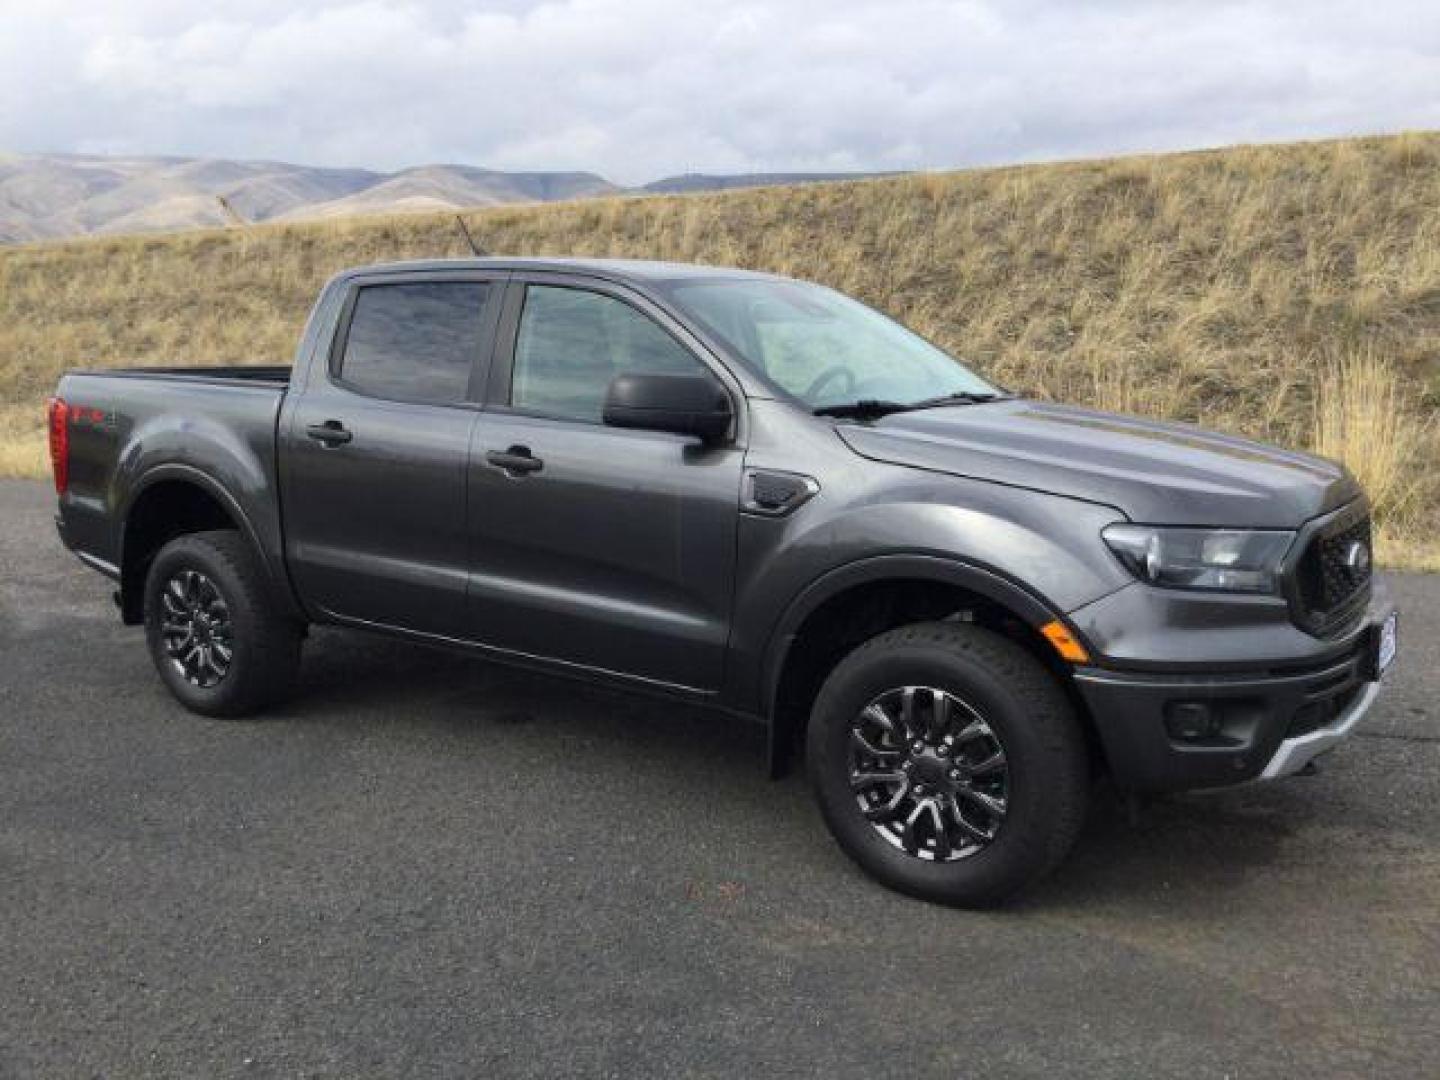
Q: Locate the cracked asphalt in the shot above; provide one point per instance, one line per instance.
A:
(425, 865)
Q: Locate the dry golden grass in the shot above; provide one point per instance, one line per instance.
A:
(1361, 415)
(22, 443)
(1290, 293)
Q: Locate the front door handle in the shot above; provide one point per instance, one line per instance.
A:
(331, 433)
(517, 461)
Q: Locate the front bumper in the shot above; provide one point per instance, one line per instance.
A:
(1269, 724)
(1297, 752)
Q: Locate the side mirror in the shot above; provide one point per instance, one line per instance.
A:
(683, 404)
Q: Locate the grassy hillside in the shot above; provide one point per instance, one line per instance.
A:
(1286, 292)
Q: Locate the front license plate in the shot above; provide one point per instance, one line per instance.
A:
(1387, 643)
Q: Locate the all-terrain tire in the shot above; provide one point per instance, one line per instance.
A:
(1048, 779)
(263, 640)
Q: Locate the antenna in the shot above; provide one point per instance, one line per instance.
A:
(475, 248)
(232, 216)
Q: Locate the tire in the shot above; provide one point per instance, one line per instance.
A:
(989, 695)
(224, 603)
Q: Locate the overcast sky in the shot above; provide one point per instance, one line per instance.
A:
(636, 89)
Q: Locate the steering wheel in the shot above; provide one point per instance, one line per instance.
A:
(825, 378)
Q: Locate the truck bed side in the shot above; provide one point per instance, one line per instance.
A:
(153, 449)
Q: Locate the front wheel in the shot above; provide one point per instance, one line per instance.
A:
(217, 637)
(948, 763)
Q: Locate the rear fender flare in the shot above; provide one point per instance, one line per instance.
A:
(279, 579)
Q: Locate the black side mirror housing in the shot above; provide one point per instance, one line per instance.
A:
(682, 404)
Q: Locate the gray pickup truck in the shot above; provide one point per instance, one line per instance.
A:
(751, 492)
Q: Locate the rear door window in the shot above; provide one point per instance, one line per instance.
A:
(415, 341)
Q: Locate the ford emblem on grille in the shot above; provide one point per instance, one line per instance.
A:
(1357, 559)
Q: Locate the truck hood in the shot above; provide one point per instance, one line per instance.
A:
(1153, 472)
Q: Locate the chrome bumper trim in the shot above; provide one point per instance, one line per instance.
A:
(1294, 754)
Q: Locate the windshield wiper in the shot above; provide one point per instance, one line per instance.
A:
(864, 409)
(871, 408)
(960, 397)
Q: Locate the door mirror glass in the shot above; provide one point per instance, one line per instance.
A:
(682, 404)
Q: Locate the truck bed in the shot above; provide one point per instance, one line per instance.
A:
(220, 421)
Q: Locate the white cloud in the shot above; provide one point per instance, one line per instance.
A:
(639, 88)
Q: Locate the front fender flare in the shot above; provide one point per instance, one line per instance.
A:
(974, 577)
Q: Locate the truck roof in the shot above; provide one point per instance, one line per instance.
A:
(629, 270)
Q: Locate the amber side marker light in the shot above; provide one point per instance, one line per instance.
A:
(1064, 642)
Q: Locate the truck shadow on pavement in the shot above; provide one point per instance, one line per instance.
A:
(371, 679)
(1210, 844)
(1185, 845)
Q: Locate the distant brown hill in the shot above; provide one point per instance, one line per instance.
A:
(50, 196)
(46, 196)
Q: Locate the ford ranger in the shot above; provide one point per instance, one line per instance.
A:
(958, 606)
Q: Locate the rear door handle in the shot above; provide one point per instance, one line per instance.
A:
(517, 461)
(331, 433)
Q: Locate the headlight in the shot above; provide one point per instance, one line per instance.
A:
(1225, 560)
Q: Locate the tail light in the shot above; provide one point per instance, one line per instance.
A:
(59, 423)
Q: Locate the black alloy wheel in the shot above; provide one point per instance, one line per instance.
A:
(929, 773)
(196, 630)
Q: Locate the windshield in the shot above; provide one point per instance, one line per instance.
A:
(822, 347)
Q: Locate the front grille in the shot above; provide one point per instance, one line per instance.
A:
(1333, 573)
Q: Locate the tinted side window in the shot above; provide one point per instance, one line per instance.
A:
(415, 342)
(571, 343)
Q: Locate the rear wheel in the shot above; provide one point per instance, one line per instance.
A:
(948, 763)
(216, 636)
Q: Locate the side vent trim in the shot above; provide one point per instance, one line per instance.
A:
(769, 493)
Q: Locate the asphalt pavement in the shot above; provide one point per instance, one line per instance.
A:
(426, 865)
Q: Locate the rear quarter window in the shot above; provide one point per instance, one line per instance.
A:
(415, 341)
